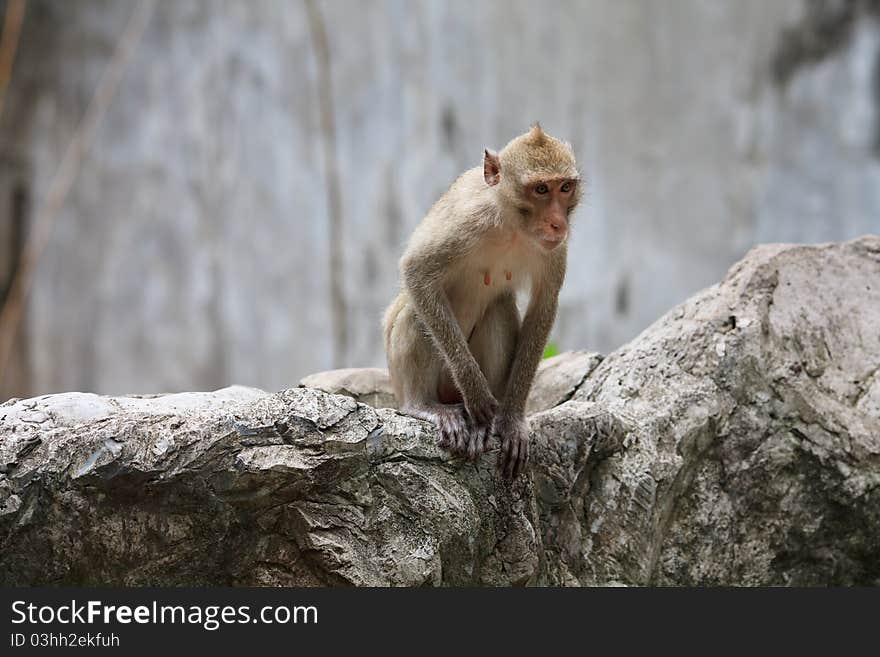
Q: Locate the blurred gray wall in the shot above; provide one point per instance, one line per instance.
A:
(192, 251)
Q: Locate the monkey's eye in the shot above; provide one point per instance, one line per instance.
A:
(566, 188)
(541, 189)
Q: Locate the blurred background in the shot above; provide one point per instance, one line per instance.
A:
(198, 193)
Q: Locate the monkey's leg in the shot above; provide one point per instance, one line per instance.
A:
(493, 344)
(416, 370)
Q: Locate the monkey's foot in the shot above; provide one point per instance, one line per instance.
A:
(457, 434)
(451, 422)
(478, 441)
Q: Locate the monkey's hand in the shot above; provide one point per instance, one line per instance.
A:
(513, 432)
(480, 404)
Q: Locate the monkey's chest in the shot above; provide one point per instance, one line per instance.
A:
(474, 289)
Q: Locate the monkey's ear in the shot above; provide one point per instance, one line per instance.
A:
(491, 168)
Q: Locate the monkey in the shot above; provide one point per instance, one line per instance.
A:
(458, 353)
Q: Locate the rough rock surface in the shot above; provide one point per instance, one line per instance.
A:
(368, 385)
(752, 451)
(559, 377)
(735, 441)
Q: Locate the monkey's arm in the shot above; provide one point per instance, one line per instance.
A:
(423, 270)
(510, 423)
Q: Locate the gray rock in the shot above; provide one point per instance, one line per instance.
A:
(244, 487)
(559, 377)
(368, 385)
(735, 441)
(752, 453)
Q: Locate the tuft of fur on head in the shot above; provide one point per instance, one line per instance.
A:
(536, 153)
(536, 134)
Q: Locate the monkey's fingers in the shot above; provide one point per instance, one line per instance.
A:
(461, 440)
(447, 436)
(523, 459)
(453, 429)
(479, 436)
(486, 437)
(451, 439)
(507, 457)
(471, 445)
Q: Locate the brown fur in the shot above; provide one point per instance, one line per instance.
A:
(537, 153)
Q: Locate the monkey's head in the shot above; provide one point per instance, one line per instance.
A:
(537, 180)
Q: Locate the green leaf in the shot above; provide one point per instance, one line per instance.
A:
(552, 349)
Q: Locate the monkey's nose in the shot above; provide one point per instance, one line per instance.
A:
(558, 226)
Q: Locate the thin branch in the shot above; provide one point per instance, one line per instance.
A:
(79, 145)
(334, 188)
